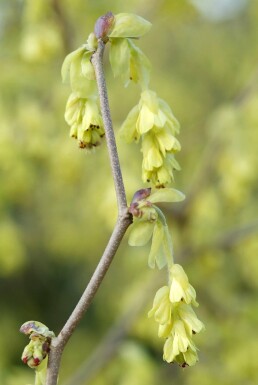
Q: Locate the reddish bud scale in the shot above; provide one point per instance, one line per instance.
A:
(25, 360)
(36, 361)
(134, 210)
(141, 194)
(103, 25)
(46, 347)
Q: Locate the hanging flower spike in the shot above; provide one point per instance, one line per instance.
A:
(153, 121)
(177, 324)
(83, 116)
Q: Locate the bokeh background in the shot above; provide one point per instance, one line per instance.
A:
(57, 203)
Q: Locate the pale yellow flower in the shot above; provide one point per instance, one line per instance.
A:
(178, 342)
(177, 320)
(83, 116)
(192, 324)
(180, 289)
(153, 121)
(190, 357)
(161, 309)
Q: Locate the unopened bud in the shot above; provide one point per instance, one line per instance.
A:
(103, 25)
(141, 194)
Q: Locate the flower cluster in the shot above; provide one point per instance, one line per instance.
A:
(153, 121)
(177, 320)
(127, 61)
(172, 306)
(82, 109)
(35, 353)
(84, 118)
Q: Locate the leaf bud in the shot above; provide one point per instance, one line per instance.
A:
(141, 194)
(103, 26)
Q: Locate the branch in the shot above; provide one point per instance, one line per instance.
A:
(123, 222)
(97, 61)
(110, 344)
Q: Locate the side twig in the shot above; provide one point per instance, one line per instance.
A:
(123, 222)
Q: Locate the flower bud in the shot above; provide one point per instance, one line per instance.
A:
(103, 25)
(141, 194)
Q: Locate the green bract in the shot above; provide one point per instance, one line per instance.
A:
(129, 25)
(30, 327)
(69, 59)
(129, 62)
(78, 70)
(141, 233)
(158, 251)
(166, 195)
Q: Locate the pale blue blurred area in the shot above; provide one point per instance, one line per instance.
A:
(219, 10)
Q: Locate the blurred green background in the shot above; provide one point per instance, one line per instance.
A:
(57, 203)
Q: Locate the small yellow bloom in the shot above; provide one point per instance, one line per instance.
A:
(192, 324)
(74, 109)
(128, 129)
(152, 158)
(83, 116)
(91, 115)
(190, 357)
(161, 309)
(178, 342)
(164, 331)
(180, 289)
